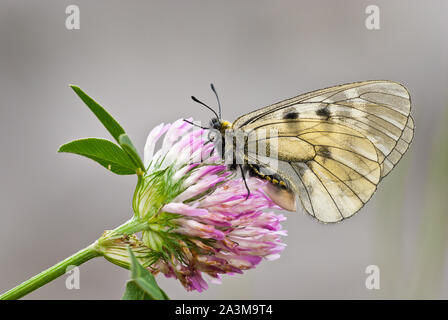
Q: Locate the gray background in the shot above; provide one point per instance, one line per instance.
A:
(142, 60)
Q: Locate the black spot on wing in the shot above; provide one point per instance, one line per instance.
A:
(325, 152)
(324, 112)
(291, 115)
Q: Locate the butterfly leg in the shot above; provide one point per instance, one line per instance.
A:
(213, 149)
(211, 152)
(245, 182)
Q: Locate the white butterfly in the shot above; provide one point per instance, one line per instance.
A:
(334, 145)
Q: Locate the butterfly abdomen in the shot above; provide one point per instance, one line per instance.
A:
(275, 179)
(277, 190)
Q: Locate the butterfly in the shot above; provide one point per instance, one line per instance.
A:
(332, 146)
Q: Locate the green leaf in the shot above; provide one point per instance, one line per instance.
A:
(132, 152)
(133, 292)
(106, 153)
(106, 119)
(142, 285)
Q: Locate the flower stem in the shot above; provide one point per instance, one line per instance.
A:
(94, 250)
(50, 274)
(131, 226)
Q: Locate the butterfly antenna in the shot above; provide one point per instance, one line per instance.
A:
(200, 102)
(217, 98)
(196, 125)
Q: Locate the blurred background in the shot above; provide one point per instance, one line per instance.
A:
(143, 59)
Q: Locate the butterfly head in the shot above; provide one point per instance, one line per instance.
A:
(220, 125)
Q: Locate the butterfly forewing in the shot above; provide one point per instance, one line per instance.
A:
(336, 144)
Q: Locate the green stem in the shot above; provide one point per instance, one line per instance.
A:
(50, 274)
(132, 226)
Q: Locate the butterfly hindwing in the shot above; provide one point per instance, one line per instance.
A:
(336, 179)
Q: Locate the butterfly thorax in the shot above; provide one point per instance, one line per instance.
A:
(254, 170)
